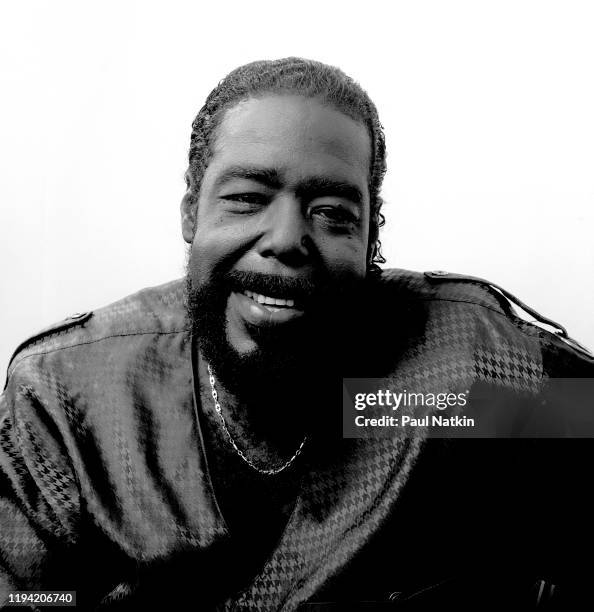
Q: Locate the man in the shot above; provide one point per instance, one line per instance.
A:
(183, 447)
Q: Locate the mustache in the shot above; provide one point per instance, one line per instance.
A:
(300, 289)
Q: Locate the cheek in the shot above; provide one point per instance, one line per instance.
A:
(215, 245)
(348, 253)
(345, 259)
(203, 256)
(345, 255)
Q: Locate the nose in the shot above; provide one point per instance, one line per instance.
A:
(286, 235)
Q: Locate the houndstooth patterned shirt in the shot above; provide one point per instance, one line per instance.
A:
(104, 486)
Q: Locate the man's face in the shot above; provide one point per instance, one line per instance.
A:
(282, 221)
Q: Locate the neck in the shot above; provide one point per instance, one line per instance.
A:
(268, 423)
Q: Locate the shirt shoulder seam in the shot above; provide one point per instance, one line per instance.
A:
(515, 321)
(93, 341)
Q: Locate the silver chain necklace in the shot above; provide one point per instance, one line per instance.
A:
(268, 472)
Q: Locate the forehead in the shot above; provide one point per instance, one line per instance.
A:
(301, 135)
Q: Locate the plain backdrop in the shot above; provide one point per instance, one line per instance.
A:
(487, 107)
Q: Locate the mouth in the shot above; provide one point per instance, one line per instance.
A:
(274, 304)
(261, 310)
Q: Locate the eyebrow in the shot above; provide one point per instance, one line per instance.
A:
(319, 186)
(315, 186)
(269, 177)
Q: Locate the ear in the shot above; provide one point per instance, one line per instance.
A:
(188, 216)
(188, 207)
(372, 239)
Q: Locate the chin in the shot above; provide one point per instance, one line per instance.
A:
(262, 367)
(243, 348)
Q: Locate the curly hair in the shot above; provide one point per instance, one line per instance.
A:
(307, 78)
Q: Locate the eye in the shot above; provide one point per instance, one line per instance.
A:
(335, 215)
(253, 198)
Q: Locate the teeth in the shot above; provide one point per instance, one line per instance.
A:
(269, 301)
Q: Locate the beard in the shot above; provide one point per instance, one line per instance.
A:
(301, 351)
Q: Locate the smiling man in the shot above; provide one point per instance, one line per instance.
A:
(278, 219)
(184, 446)
(279, 222)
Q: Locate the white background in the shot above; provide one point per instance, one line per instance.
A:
(488, 109)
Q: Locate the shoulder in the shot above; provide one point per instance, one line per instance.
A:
(154, 310)
(470, 299)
